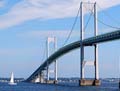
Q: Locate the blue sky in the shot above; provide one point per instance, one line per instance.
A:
(26, 24)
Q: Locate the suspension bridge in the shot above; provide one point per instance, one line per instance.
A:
(92, 41)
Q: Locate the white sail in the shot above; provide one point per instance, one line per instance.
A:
(12, 80)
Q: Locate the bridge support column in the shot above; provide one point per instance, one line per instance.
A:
(83, 81)
(41, 77)
(47, 62)
(55, 68)
(55, 72)
(97, 81)
(82, 37)
(38, 78)
(96, 46)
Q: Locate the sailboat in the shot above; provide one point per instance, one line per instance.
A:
(12, 80)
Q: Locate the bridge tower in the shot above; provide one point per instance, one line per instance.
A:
(51, 40)
(84, 63)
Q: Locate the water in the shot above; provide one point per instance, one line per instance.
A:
(106, 86)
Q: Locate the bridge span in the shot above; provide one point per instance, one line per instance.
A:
(92, 41)
(86, 42)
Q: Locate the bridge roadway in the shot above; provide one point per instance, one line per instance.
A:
(86, 42)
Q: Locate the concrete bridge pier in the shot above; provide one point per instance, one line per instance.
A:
(83, 81)
(39, 78)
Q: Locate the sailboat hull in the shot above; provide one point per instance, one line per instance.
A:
(12, 83)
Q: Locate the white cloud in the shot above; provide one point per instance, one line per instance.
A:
(45, 9)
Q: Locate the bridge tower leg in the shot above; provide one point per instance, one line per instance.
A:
(97, 81)
(94, 63)
(82, 37)
(53, 40)
(47, 62)
(55, 69)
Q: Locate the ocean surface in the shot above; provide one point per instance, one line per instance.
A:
(22, 86)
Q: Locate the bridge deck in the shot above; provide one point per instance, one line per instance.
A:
(86, 42)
